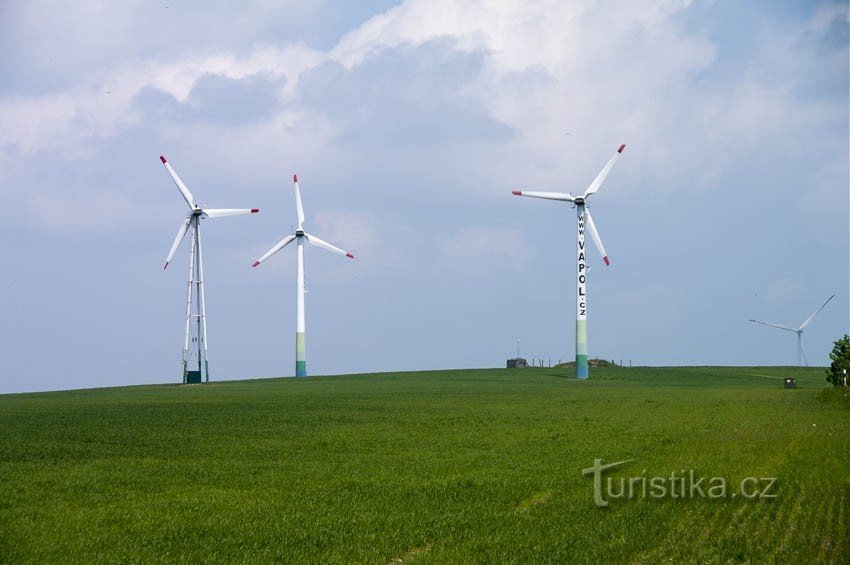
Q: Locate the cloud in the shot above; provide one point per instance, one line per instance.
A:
(96, 108)
(355, 231)
(49, 46)
(472, 95)
(414, 97)
(485, 242)
(639, 77)
(215, 98)
(826, 15)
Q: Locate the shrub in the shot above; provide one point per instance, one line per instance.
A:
(840, 357)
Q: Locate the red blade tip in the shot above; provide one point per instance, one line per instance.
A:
(294, 178)
(162, 158)
(166, 266)
(255, 263)
(620, 150)
(349, 255)
(516, 192)
(607, 262)
(254, 210)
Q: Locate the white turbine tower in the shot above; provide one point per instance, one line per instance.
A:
(798, 331)
(584, 218)
(195, 292)
(299, 237)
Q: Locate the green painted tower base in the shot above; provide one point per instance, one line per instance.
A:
(300, 354)
(581, 349)
(581, 367)
(192, 377)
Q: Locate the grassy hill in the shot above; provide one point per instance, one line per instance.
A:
(448, 466)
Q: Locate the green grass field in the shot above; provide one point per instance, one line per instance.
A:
(447, 466)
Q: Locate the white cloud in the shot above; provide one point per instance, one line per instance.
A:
(519, 35)
(355, 231)
(826, 14)
(49, 44)
(95, 108)
(604, 73)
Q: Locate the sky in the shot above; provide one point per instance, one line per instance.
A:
(409, 124)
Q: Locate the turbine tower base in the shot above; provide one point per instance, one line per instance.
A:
(581, 367)
(300, 354)
(192, 377)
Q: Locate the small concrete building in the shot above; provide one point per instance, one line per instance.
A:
(518, 363)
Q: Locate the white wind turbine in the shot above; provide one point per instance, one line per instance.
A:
(583, 212)
(798, 331)
(195, 292)
(300, 236)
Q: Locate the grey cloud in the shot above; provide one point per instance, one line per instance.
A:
(405, 95)
(215, 99)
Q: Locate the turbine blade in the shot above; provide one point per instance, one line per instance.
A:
(325, 245)
(803, 351)
(775, 326)
(600, 178)
(595, 235)
(547, 195)
(187, 196)
(812, 317)
(181, 233)
(222, 212)
(277, 247)
(299, 208)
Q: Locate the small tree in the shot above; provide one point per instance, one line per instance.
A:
(840, 357)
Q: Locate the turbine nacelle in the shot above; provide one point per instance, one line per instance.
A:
(300, 233)
(582, 200)
(196, 213)
(798, 331)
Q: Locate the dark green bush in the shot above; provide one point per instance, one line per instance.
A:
(840, 365)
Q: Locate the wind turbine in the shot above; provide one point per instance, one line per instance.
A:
(300, 236)
(798, 331)
(195, 291)
(584, 217)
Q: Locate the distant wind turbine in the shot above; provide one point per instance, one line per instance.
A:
(195, 292)
(584, 217)
(798, 331)
(300, 236)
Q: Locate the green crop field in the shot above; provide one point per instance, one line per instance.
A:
(446, 466)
